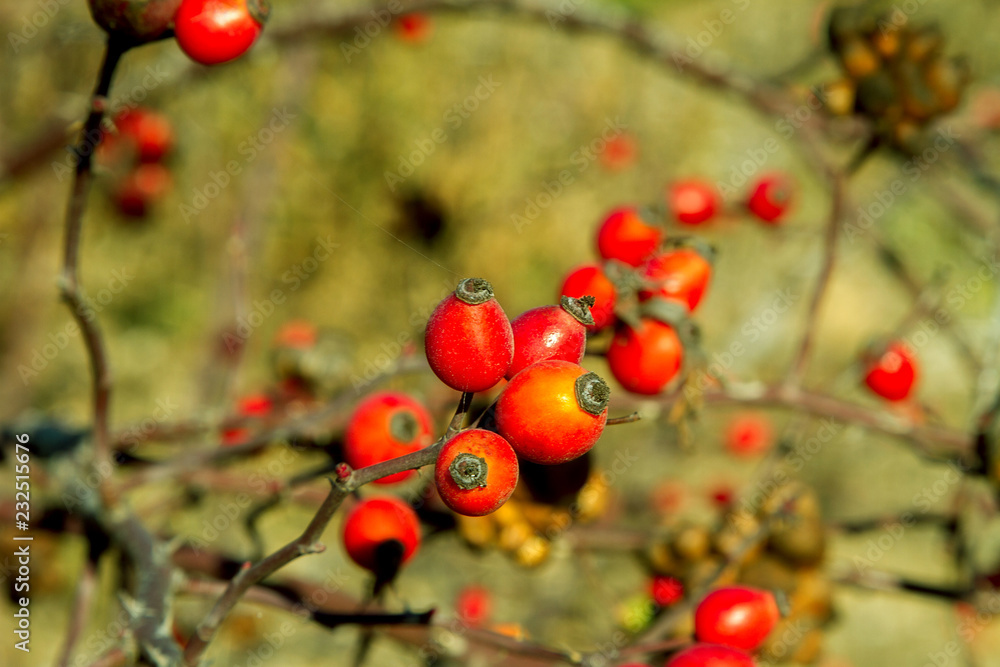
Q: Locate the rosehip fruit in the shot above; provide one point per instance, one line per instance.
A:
(710, 655)
(150, 132)
(553, 411)
(692, 202)
(373, 522)
(736, 616)
(414, 28)
(590, 280)
(645, 359)
(551, 332)
(771, 197)
(469, 342)
(476, 472)
(893, 375)
(140, 20)
(474, 606)
(141, 188)
(626, 237)
(297, 334)
(749, 434)
(254, 406)
(619, 153)
(384, 426)
(680, 275)
(666, 591)
(217, 31)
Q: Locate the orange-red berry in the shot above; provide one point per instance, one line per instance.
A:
(476, 472)
(893, 375)
(646, 358)
(551, 332)
(590, 280)
(736, 616)
(384, 426)
(625, 236)
(373, 522)
(692, 202)
(553, 411)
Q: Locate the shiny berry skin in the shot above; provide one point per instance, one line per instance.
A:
(553, 411)
(692, 202)
(150, 132)
(771, 197)
(474, 606)
(680, 275)
(893, 375)
(736, 616)
(710, 655)
(469, 342)
(590, 280)
(626, 237)
(749, 434)
(476, 472)
(645, 359)
(211, 32)
(551, 332)
(374, 521)
(384, 426)
(666, 591)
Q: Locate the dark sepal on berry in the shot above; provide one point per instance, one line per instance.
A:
(469, 471)
(474, 291)
(592, 393)
(579, 308)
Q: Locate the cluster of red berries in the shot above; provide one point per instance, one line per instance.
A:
(208, 31)
(135, 154)
(643, 289)
(551, 410)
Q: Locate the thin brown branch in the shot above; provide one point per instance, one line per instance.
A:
(627, 419)
(837, 196)
(79, 612)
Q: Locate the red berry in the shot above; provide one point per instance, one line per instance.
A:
(150, 132)
(710, 655)
(737, 616)
(553, 411)
(680, 275)
(893, 375)
(384, 426)
(217, 31)
(474, 606)
(297, 334)
(375, 521)
(665, 591)
(692, 202)
(469, 342)
(476, 472)
(619, 152)
(254, 406)
(551, 332)
(590, 280)
(414, 28)
(141, 188)
(645, 359)
(626, 237)
(749, 434)
(771, 197)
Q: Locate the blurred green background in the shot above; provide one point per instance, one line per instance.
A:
(338, 123)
